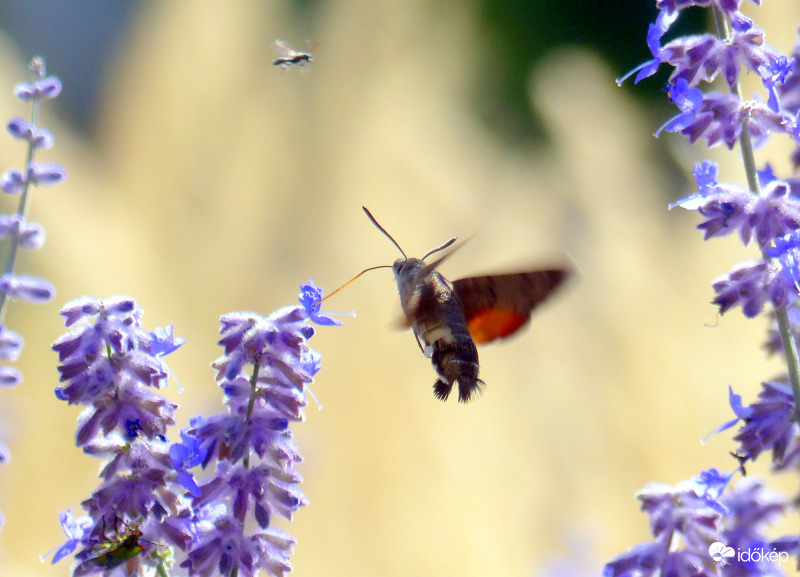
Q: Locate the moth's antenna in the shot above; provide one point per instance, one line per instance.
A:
(383, 230)
(440, 247)
(352, 279)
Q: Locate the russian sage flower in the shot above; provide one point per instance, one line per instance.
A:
(150, 511)
(112, 366)
(15, 229)
(711, 525)
(264, 372)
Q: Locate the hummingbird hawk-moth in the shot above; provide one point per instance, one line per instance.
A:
(451, 317)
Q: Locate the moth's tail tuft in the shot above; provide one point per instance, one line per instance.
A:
(469, 388)
(441, 390)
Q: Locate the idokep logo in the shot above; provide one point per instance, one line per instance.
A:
(720, 553)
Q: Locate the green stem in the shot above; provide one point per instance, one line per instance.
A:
(748, 158)
(251, 404)
(22, 212)
(161, 570)
(792, 359)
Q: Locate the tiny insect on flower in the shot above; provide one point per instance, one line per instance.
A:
(115, 553)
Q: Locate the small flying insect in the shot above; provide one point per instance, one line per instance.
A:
(290, 57)
(742, 459)
(450, 317)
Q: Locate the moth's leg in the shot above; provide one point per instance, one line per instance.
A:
(419, 344)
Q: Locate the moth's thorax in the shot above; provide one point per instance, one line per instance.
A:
(428, 299)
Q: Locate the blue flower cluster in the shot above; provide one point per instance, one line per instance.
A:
(150, 510)
(15, 228)
(707, 525)
(699, 513)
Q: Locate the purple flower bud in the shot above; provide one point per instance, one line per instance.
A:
(30, 289)
(19, 128)
(80, 308)
(12, 182)
(10, 344)
(42, 90)
(29, 235)
(38, 137)
(46, 174)
(9, 377)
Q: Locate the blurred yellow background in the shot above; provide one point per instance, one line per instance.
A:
(216, 182)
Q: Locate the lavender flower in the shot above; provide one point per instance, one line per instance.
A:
(697, 520)
(111, 365)
(16, 229)
(263, 374)
(149, 505)
(709, 526)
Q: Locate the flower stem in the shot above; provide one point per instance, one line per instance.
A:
(22, 212)
(251, 404)
(748, 159)
(792, 359)
(161, 570)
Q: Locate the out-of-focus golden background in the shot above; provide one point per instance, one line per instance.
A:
(212, 181)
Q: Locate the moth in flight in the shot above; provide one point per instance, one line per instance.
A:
(451, 317)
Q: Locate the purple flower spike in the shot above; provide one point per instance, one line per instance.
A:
(708, 526)
(107, 353)
(15, 232)
(111, 364)
(266, 367)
